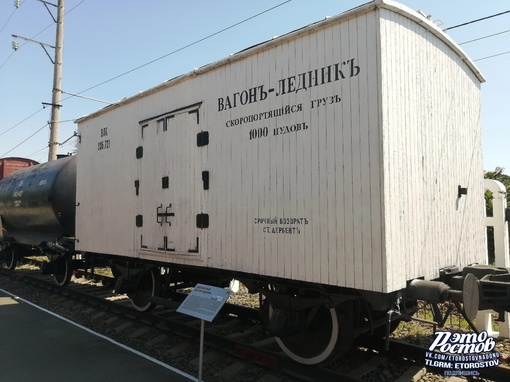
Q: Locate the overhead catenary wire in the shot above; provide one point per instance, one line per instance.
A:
(484, 37)
(33, 114)
(33, 37)
(26, 42)
(1, 30)
(19, 123)
(215, 34)
(221, 31)
(152, 61)
(184, 47)
(494, 55)
(89, 98)
(477, 20)
(26, 139)
(65, 143)
(9, 19)
(38, 151)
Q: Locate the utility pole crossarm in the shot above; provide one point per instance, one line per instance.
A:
(46, 5)
(42, 44)
(30, 40)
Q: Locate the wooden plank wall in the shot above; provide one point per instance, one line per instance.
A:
(432, 144)
(328, 175)
(365, 196)
(105, 184)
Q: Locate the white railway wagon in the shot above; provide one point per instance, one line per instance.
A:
(345, 154)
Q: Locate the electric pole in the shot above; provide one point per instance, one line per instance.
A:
(57, 84)
(57, 73)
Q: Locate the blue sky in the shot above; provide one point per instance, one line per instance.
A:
(104, 39)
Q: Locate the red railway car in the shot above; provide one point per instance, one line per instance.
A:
(8, 165)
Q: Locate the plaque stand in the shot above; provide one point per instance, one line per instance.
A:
(204, 302)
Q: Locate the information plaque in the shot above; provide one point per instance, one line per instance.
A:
(204, 302)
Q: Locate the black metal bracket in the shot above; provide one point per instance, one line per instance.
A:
(165, 245)
(205, 180)
(160, 215)
(139, 152)
(203, 138)
(195, 250)
(202, 221)
(197, 113)
(165, 182)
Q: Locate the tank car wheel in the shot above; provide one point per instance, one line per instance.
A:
(12, 258)
(64, 271)
(145, 289)
(328, 334)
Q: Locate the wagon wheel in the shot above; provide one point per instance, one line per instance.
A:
(12, 257)
(116, 274)
(64, 271)
(327, 333)
(145, 289)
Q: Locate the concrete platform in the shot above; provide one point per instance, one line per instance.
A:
(38, 346)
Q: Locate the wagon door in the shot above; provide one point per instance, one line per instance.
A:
(169, 185)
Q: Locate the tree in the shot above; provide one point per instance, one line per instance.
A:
(498, 175)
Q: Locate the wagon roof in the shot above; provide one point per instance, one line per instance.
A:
(391, 5)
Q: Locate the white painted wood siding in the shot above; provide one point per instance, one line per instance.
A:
(432, 144)
(323, 179)
(105, 186)
(170, 184)
(346, 179)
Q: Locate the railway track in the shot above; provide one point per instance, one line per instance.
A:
(237, 347)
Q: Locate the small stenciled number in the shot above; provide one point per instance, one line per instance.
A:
(103, 145)
(258, 133)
